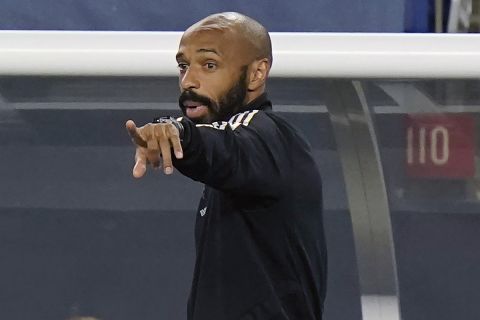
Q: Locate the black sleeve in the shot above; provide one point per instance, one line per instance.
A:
(245, 155)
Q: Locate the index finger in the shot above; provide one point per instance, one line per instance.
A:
(133, 132)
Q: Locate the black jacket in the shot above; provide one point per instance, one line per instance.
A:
(259, 232)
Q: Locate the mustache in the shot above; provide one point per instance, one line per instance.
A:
(193, 96)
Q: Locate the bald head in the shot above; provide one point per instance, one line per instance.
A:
(224, 61)
(243, 28)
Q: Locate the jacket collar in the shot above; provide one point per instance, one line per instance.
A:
(260, 103)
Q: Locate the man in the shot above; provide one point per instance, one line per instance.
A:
(259, 233)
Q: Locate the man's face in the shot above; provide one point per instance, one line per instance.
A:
(212, 75)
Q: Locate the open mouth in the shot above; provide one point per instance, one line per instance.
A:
(194, 109)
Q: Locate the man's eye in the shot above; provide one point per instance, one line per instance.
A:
(210, 65)
(182, 66)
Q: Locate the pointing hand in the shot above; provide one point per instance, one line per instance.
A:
(154, 142)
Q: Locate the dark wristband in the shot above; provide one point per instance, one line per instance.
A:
(173, 121)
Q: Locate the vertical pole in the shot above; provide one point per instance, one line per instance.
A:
(438, 16)
(367, 196)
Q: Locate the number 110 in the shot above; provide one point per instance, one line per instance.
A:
(428, 147)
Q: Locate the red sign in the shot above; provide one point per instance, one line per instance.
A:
(440, 146)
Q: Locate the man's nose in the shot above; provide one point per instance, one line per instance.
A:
(189, 81)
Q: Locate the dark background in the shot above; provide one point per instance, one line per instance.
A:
(79, 235)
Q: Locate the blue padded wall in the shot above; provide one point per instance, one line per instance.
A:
(308, 15)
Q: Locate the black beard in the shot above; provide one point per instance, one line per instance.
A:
(228, 105)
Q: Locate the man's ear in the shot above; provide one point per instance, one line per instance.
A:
(258, 73)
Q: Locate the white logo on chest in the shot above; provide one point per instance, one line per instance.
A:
(203, 211)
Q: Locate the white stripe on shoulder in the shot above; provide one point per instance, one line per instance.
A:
(215, 125)
(234, 118)
(249, 117)
(237, 120)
